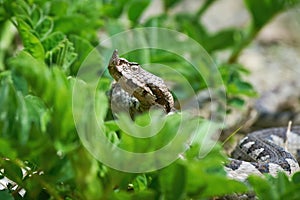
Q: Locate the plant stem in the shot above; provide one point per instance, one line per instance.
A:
(242, 44)
(203, 8)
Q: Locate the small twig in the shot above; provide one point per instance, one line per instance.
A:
(231, 135)
(288, 131)
(248, 38)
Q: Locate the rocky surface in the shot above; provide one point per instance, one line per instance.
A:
(273, 59)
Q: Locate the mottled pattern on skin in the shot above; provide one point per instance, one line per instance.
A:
(149, 89)
(129, 103)
(267, 151)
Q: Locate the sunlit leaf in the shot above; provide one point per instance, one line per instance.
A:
(140, 183)
(31, 43)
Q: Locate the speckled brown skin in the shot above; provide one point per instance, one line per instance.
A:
(149, 89)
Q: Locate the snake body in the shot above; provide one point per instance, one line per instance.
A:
(264, 151)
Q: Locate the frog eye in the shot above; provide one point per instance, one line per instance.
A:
(134, 68)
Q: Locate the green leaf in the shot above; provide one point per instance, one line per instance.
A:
(31, 42)
(162, 130)
(20, 84)
(85, 16)
(34, 71)
(122, 195)
(263, 10)
(215, 186)
(6, 149)
(17, 8)
(279, 187)
(52, 86)
(114, 8)
(282, 183)
(53, 40)
(193, 28)
(77, 14)
(206, 179)
(236, 102)
(172, 181)
(59, 8)
(12, 171)
(8, 105)
(296, 178)
(140, 183)
(286, 188)
(239, 87)
(263, 189)
(221, 40)
(45, 27)
(59, 51)
(136, 9)
(292, 192)
(74, 25)
(145, 195)
(6, 40)
(101, 104)
(37, 112)
(82, 49)
(4, 194)
(23, 119)
(234, 83)
(35, 14)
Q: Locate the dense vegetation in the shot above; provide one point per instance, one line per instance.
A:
(43, 45)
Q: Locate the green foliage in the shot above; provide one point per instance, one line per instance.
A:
(236, 88)
(263, 11)
(4, 194)
(206, 178)
(43, 45)
(276, 188)
(31, 43)
(136, 8)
